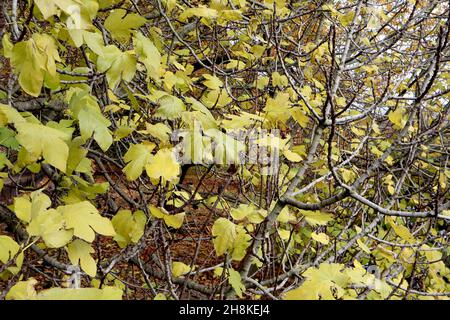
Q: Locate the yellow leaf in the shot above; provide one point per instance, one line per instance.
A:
(8, 248)
(137, 157)
(396, 117)
(284, 234)
(121, 23)
(170, 107)
(225, 233)
(179, 269)
(129, 227)
(242, 211)
(84, 218)
(79, 253)
(292, 156)
(50, 224)
(200, 11)
(174, 221)
(316, 217)
(22, 290)
(363, 246)
(163, 165)
(229, 237)
(286, 216)
(235, 281)
(326, 283)
(40, 140)
(320, 237)
(212, 82)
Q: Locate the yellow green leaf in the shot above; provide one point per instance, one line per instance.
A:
(235, 281)
(40, 140)
(118, 65)
(292, 156)
(224, 232)
(121, 23)
(79, 253)
(148, 54)
(50, 225)
(22, 290)
(129, 227)
(170, 107)
(8, 248)
(326, 283)
(84, 218)
(212, 82)
(137, 157)
(397, 118)
(320, 237)
(163, 165)
(179, 269)
(315, 218)
(200, 11)
(175, 220)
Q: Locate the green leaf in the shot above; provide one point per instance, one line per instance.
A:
(49, 143)
(84, 219)
(79, 253)
(8, 138)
